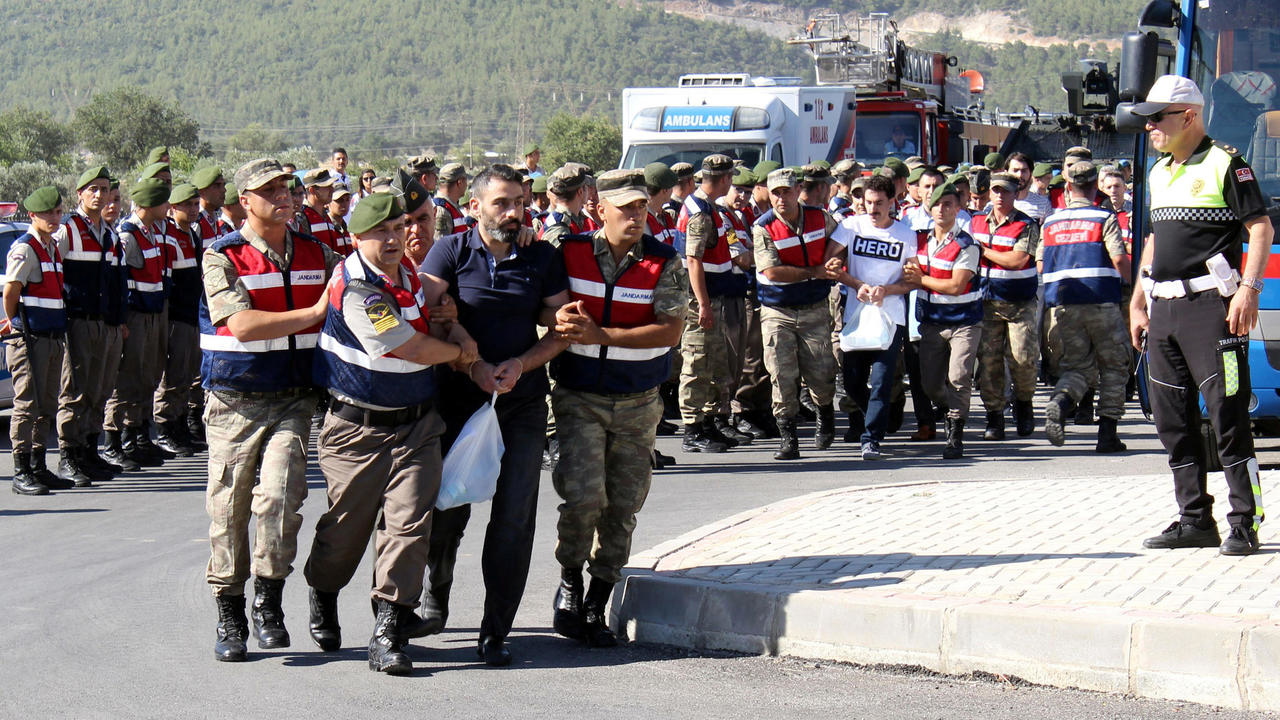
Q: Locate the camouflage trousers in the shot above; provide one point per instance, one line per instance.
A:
(1009, 341)
(1092, 340)
(797, 345)
(711, 360)
(258, 465)
(603, 476)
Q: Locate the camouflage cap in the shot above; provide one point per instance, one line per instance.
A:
(658, 175)
(1005, 181)
(530, 149)
(914, 162)
(540, 184)
(943, 190)
(846, 167)
(373, 211)
(422, 164)
(743, 177)
(340, 191)
(944, 169)
(1079, 152)
(93, 173)
(898, 167)
(411, 192)
(453, 172)
(717, 164)
(1041, 169)
(149, 193)
(683, 170)
(567, 179)
(157, 153)
(231, 196)
(206, 176)
(256, 173)
(382, 183)
(318, 177)
(857, 186)
(782, 177)
(622, 187)
(813, 172)
(43, 200)
(994, 161)
(182, 192)
(153, 170)
(1081, 173)
(762, 170)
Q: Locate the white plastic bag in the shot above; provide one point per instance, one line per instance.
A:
(474, 461)
(866, 327)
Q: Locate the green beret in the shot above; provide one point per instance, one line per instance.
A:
(540, 184)
(152, 170)
(231, 196)
(149, 192)
(531, 148)
(762, 170)
(373, 211)
(114, 183)
(943, 190)
(658, 175)
(993, 161)
(182, 192)
(93, 173)
(915, 175)
(1057, 181)
(43, 200)
(898, 167)
(743, 177)
(294, 182)
(821, 164)
(157, 153)
(206, 176)
(1041, 169)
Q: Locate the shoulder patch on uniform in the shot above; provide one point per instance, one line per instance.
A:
(1230, 149)
(369, 300)
(1244, 175)
(381, 316)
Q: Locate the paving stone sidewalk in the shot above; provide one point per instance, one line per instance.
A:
(1044, 578)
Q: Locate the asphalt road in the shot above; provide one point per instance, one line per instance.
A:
(106, 612)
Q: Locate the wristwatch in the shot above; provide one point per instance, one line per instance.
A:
(1252, 283)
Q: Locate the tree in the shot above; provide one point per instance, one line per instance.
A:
(123, 124)
(254, 138)
(28, 135)
(594, 140)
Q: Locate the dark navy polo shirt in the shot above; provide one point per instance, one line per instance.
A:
(499, 302)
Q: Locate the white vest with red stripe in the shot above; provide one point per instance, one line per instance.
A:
(938, 308)
(43, 310)
(625, 303)
(1000, 283)
(804, 250)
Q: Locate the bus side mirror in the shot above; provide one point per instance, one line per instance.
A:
(1073, 83)
(1138, 53)
(1160, 13)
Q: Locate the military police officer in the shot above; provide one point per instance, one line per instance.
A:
(453, 185)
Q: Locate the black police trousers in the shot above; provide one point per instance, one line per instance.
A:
(1191, 353)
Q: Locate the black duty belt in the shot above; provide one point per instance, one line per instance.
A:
(379, 418)
(276, 395)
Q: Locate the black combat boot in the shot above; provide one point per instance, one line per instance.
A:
(825, 432)
(659, 460)
(1055, 414)
(551, 454)
(667, 429)
(955, 439)
(184, 428)
(233, 629)
(857, 426)
(268, 615)
(195, 427)
(92, 463)
(115, 455)
(808, 408)
(727, 429)
(143, 439)
(325, 630)
(71, 470)
(696, 440)
(1084, 411)
(41, 471)
(169, 439)
(386, 647)
(1108, 441)
(995, 426)
(435, 613)
(567, 619)
(745, 426)
(1024, 416)
(135, 451)
(595, 621)
(788, 444)
(711, 431)
(24, 481)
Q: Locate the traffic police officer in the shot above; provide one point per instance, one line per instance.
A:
(379, 445)
(34, 307)
(606, 396)
(1082, 260)
(1204, 198)
(257, 341)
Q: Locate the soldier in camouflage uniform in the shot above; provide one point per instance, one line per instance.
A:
(1082, 259)
(256, 344)
(606, 397)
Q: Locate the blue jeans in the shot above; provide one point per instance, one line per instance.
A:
(877, 367)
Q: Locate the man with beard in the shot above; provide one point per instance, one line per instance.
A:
(502, 291)
(1035, 205)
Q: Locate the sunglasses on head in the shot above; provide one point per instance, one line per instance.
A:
(1157, 117)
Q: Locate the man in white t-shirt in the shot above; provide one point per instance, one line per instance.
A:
(1033, 204)
(869, 252)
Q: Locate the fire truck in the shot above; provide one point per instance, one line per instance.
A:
(874, 97)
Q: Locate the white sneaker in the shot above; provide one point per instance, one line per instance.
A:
(870, 451)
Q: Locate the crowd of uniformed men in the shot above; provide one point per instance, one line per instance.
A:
(229, 311)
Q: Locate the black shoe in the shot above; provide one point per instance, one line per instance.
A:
(1240, 541)
(825, 432)
(788, 443)
(955, 439)
(24, 481)
(268, 615)
(567, 619)
(435, 613)
(114, 453)
(386, 647)
(41, 471)
(657, 460)
(857, 426)
(93, 464)
(551, 454)
(1108, 441)
(493, 651)
(71, 471)
(696, 440)
(747, 427)
(1055, 414)
(1084, 411)
(595, 621)
(233, 629)
(727, 429)
(712, 432)
(184, 430)
(1183, 535)
(170, 440)
(808, 409)
(195, 428)
(325, 630)
(1024, 417)
(135, 450)
(995, 426)
(145, 445)
(666, 429)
